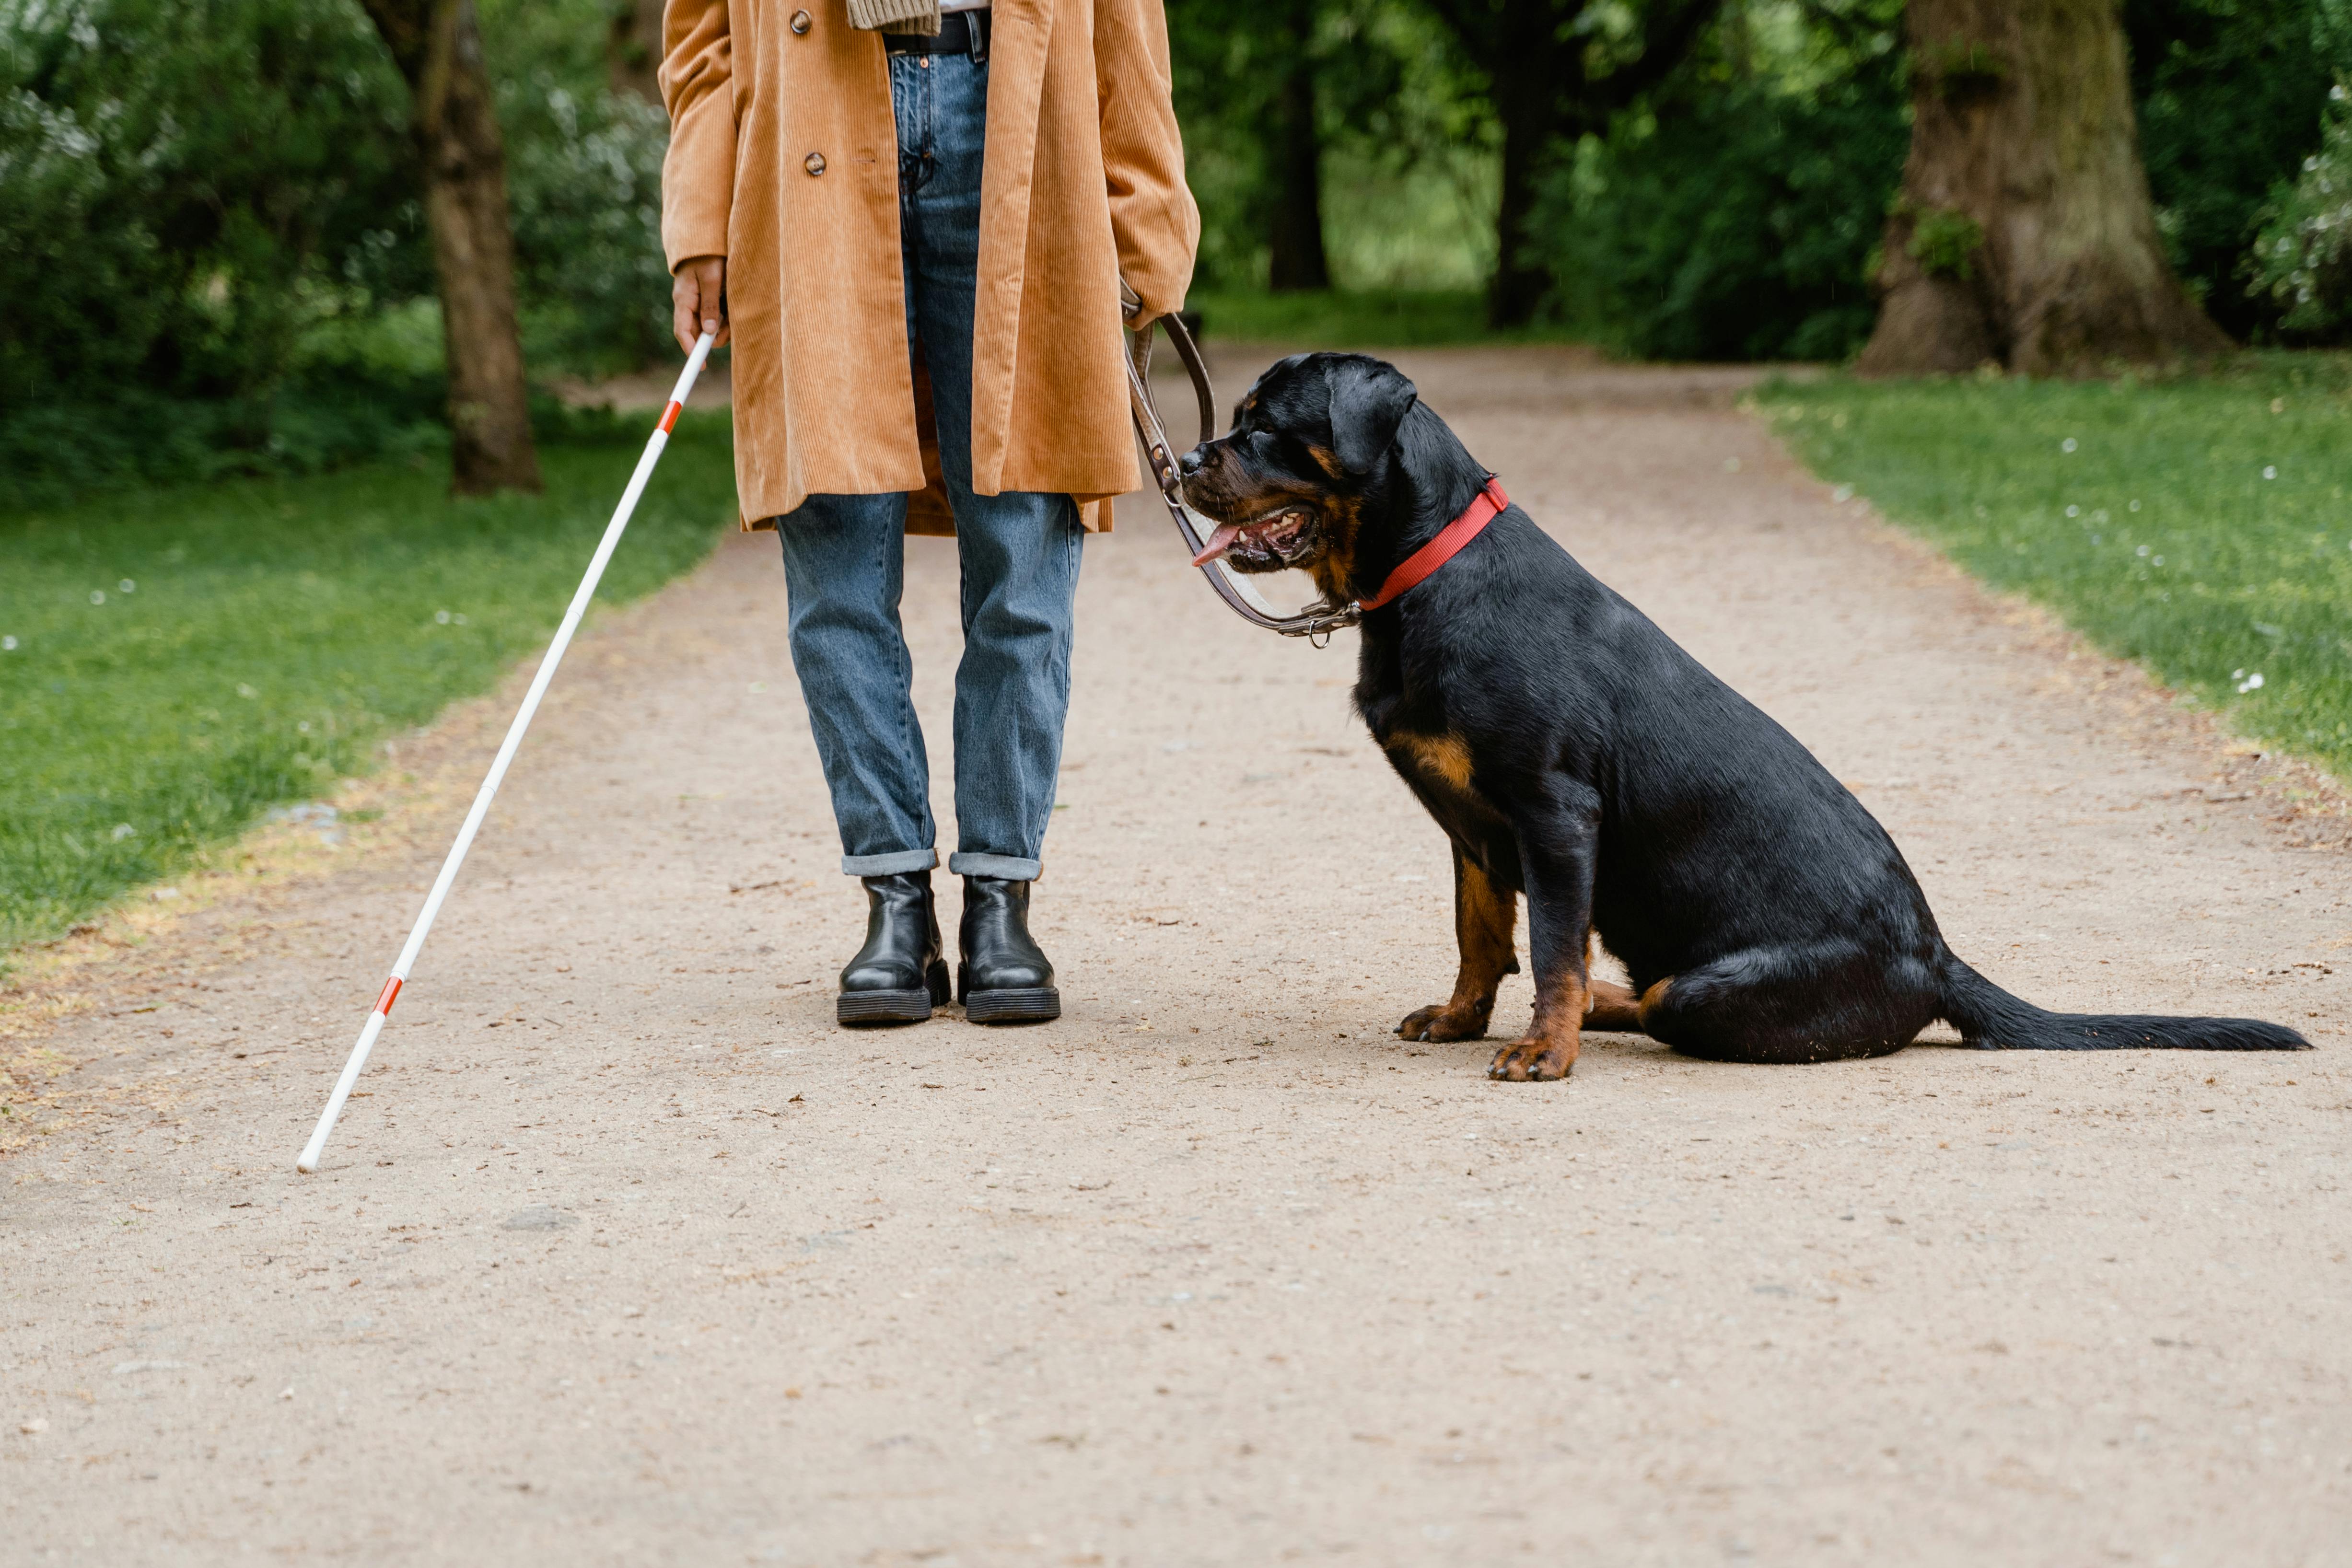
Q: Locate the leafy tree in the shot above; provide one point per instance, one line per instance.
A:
(584, 178)
(1246, 74)
(1558, 71)
(2024, 234)
(1269, 94)
(196, 200)
(1732, 217)
(2302, 260)
(1295, 257)
(212, 242)
(183, 185)
(2229, 94)
(437, 46)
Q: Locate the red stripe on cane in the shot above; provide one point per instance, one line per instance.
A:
(390, 990)
(669, 416)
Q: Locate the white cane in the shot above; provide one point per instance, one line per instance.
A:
(309, 1163)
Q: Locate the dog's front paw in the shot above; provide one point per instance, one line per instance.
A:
(1442, 1022)
(1532, 1058)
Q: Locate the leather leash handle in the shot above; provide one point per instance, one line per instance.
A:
(1316, 622)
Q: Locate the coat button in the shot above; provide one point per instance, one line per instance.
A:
(813, 163)
(800, 23)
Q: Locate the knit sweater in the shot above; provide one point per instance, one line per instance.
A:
(894, 15)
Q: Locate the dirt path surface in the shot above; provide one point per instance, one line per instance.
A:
(629, 1256)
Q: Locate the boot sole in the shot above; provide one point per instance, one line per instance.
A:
(858, 1007)
(1031, 1005)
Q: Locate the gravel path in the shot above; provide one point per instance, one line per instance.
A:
(629, 1256)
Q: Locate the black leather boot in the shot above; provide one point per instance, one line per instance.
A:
(1003, 978)
(899, 976)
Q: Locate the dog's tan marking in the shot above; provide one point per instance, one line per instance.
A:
(1340, 518)
(1327, 461)
(1548, 1050)
(1485, 916)
(1612, 1007)
(1445, 756)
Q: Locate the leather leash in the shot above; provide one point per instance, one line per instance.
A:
(1317, 621)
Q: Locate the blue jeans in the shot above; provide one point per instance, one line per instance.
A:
(845, 561)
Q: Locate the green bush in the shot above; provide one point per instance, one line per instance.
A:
(214, 257)
(1409, 150)
(182, 183)
(584, 179)
(307, 424)
(188, 191)
(2303, 258)
(1736, 221)
(1735, 216)
(2230, 93)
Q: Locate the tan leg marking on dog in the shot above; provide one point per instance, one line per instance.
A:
(1653, 1000)
(1548, 1050)
(1612, 1007)
(1609, 1006)
(1485, 916)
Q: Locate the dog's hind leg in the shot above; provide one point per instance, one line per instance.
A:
(1609, 1007)
(1819, 1001)
(1485, 916)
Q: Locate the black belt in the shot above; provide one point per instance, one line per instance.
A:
(961, 33)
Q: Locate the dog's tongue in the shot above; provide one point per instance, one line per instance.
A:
(1219, 543)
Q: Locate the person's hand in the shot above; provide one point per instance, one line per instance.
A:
(697, 298)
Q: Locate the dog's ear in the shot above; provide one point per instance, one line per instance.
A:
(1369, 399)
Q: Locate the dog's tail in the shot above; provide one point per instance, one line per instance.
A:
(1991, 1020)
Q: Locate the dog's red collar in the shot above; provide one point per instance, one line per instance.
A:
(1483, 509)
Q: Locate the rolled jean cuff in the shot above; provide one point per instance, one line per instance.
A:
(891, 865)
(1005, 868)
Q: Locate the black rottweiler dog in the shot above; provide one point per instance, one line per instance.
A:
(1574, 754)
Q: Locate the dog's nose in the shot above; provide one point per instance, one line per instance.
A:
(1190, 463)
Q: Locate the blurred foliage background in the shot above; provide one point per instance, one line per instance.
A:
(1731, 211)
(213, 252)
(214, 260)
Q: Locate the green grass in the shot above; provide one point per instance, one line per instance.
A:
(2199, 524)
(1337, 318)
(182, 659)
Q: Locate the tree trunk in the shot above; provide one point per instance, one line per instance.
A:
(633, 50)
(1525, 92)
(437, 45)
(1295, 235)
(1540, 58)
(2024, 234)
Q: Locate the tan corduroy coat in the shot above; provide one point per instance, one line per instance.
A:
(783, 157)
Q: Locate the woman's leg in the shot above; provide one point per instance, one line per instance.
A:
(1012, 686)
(843, 569)
(1020, 550)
